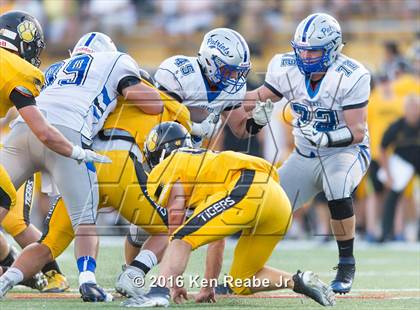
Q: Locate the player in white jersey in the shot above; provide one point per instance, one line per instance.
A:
(328, 93)
(212, 84)
(79, 94)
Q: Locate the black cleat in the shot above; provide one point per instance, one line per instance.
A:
(344, 278)
(308, 284)
(37, 282)
(91, 292)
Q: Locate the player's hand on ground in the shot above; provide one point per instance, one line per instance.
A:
(206, 295)
(207, 127)
(179, 294)
(262, 112)
(85, 155)
(315, 137)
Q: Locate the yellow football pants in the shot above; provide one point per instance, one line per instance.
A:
(255, 205)
(7, 190)
(120, 187)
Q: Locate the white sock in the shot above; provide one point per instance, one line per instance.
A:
(147, 258)
(14, 275)
(86, 276)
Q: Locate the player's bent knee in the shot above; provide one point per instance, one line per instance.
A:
(13, 226)
(341, 209)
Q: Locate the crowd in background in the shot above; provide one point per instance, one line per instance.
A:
(380, 34)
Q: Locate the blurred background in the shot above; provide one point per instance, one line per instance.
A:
(384, 35)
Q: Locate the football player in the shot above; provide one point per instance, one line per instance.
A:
(122, 183)
(79, 94)
(228, 192)
(21, 43)
(328, 93)
(212, 86)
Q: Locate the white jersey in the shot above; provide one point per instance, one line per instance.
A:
(182, 76)
(346, 85)
(81, 91)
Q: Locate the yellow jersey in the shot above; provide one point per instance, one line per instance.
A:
(406, 84)
(16, 72)
(382, 112)
(201, 173)
(130, 118)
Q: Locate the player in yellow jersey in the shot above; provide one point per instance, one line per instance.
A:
(385, 106)
(229, 192)
(122, 183)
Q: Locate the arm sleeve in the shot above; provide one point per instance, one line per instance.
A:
(21, 98)
(391, 133)
(358, 95)
(125, 73)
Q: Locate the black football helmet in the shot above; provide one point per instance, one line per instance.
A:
(21, 33)
(163, 139)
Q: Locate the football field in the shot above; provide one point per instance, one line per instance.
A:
(388, 277)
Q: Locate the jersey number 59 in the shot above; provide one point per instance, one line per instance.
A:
(74, 70)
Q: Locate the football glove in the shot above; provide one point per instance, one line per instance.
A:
(84, 155)
(262, 112)
(316, 138)
(206, 128)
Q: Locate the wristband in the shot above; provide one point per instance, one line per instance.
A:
(340, 137)
(252, 127)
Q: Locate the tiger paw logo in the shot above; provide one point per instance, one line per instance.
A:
(27, 31)
(152, 141)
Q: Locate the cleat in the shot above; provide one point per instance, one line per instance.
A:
(57, 283)
(130, 282)
(5, 286)
(223, 289)
(91, 292)
(157, 297)
(344, 278)
(308, 284)
(36, 282)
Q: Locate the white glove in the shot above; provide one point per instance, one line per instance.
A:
(316, 138)
(206, 128)
(262, 112)
(84, 155)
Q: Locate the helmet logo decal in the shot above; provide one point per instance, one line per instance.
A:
(327, 30)
(27, 31)
(152, 141)
(219, 45)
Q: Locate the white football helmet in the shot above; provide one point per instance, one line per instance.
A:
(93, 42)
(225, 59)
(318, 31)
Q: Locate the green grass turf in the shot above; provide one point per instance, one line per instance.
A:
(388, 277)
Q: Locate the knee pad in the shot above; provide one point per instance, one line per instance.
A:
(341, 209)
